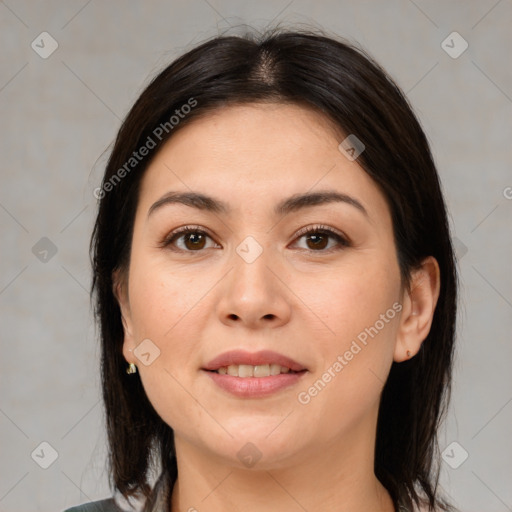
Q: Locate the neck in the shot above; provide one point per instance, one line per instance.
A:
(337, 477)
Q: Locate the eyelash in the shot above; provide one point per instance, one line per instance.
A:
(342, 241)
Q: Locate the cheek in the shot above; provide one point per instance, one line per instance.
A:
(360, 314)
(349, 300)
(162, 298)
(165, 310)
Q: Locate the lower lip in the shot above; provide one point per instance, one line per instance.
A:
(255, 387)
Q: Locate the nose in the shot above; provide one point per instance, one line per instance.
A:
(254, 294)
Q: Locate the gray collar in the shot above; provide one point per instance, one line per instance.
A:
(162, 495)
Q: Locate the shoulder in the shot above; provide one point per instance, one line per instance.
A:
(108, 505)
(424, 508)
(406, 505)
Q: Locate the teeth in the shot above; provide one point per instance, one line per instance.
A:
(247, 370)
(275, 369)
(244, 370)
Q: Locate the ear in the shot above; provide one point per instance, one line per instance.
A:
(120, 291)
(419, 303)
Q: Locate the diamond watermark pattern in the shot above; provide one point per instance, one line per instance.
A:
(44, 455)
(351, 147)
(459, 247)
(44, 45)
(146, 352)
(454, 45)
(44, 250)
(249, 249)
(454, 455)
(249, 454)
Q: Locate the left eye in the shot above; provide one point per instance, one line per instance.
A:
(317, 238)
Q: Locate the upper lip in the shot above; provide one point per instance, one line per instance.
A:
(237, 357)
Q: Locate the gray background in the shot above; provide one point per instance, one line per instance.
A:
(58, 116)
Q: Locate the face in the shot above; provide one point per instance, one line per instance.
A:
(248, 277)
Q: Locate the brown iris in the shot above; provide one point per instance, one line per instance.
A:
(197, 240)
(317, 241)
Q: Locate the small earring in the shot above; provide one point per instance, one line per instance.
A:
(131, 369)
(408, 353)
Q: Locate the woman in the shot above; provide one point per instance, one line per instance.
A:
(275, 285)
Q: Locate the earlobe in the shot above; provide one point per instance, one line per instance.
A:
(121, 295)
(419, 304)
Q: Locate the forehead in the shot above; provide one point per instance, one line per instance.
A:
(252, 154)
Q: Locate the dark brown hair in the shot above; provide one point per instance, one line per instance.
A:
(343, 82)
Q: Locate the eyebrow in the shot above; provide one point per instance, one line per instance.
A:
(291, 204)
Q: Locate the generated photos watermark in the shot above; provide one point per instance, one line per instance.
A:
(357, 345)
(137, 156)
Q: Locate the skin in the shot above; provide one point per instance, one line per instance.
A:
(304, 302)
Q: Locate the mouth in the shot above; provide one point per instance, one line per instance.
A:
(246, 370)
(240, 363)
(254, 375)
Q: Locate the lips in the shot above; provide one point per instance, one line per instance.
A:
(242, 357)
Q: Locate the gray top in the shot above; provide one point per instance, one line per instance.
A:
(110, 506)
(162, 492)
(96, 506)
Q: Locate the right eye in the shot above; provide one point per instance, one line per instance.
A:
(194, 239)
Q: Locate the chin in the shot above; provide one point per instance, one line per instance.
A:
(257, 449)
